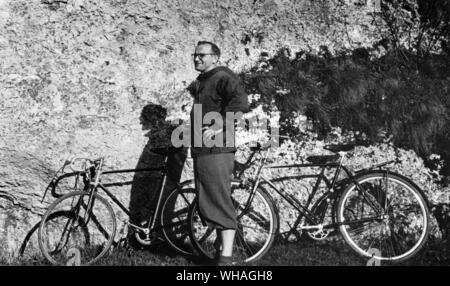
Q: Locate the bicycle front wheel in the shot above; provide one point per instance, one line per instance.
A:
(384, 216)
(174, 219)
(255, 233)
(70, 234)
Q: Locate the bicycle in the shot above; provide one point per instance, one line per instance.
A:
(82, 223)
(372, 208)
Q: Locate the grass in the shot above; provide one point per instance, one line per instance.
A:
(304, 253)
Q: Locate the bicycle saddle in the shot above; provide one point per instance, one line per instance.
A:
(324, 159)
(340, 147)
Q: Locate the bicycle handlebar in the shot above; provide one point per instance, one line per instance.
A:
(83, 165)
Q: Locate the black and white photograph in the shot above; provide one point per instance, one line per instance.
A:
(222, 139)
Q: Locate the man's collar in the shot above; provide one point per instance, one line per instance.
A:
(205, 75)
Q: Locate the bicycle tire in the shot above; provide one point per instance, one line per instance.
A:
(99, 223)
(255, 233)
(174, 219)
(397, 236)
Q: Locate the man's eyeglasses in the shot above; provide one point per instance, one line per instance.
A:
(200, 55)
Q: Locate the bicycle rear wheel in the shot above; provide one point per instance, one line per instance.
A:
(255, 233)
(174, 219)
(386, 217)
(71, 235)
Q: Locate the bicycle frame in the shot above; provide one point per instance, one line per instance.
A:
(303, 210)
(92, 182)
(291, 199)
(152, 219)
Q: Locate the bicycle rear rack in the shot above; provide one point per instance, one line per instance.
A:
(377, 166)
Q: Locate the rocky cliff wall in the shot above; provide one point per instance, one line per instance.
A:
(75, 75)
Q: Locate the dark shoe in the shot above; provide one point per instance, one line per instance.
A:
(225, 261)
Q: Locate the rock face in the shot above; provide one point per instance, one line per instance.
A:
(75, 75)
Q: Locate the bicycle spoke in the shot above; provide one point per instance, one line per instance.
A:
(183, 236)
(181, 224)
(396, 244)
(400, 241)
(180, 212)
(248, 247)
(403, 225)
(206, 235)
(174, 219)
(359, 230)
(64, 237)
(258, 220)
(64, 229)
(369, 201)
(241, 241)
(257, 225)
(254, 228)
(373, 239)
(186, 201)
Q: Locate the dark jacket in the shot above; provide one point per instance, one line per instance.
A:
(217, 90)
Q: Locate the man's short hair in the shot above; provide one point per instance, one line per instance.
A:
(215, 49)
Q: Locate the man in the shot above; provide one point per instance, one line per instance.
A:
(217, 91)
